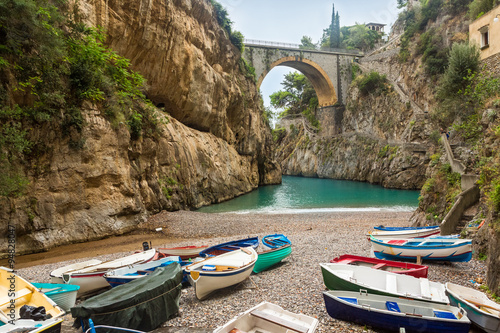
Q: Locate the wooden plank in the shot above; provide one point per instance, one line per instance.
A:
(419, 260)
(279, 321)
(377, 266)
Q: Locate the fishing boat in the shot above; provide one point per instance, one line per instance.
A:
(52, 325)
(221, 271)
(230, 246)
(438, 249)
(91, 277)
(482, 311)
(269, 317)
(184, 252)
(24, 294)
(429, 227)
(275, 241)
(398, 267)
(405, 233)
(354, 278)
(64, 295)
(119, 276)
(271, 257)
(392, 314)
(142, 304)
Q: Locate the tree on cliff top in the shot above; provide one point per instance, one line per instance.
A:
(222, 16)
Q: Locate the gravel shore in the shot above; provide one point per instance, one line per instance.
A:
(296, 284)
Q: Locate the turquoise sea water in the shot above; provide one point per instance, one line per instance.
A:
(304, 195)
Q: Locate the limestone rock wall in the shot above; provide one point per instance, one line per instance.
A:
(213, 143)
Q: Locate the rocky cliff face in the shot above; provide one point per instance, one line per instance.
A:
(379, 141)
(213, 144)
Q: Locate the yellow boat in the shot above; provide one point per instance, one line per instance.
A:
(16, 292)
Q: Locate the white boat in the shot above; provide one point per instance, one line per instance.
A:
(221, 271)
(129, 273)
(90, 278)
(355, 278)
(269, 318)
(438, 249)
(480, 309)
(16, 292)
(405, 233)
(391, 314)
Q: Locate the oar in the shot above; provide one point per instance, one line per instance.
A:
(479, 304)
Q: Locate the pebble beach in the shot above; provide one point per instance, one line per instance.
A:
(296, 284)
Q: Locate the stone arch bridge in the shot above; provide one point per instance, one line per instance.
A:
(329, 71)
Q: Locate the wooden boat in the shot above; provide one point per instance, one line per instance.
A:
(440, 249)
(230, 246)
(354, 278)
(64, 295)
(184, 252)
(480, 309)
(383, 228)
(90, 278)
(404, 233)
(24, 294)
(142, 304)
(275, 241)
(119, 276)
(271, 257)
(52, 325)
(221, 271)
(269, 317)
(392, 313)
(398, 267)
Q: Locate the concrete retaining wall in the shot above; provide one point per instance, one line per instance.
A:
(465, 200)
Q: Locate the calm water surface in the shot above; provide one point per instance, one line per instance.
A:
(305, 195)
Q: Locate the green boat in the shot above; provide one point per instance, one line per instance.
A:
(271, 257)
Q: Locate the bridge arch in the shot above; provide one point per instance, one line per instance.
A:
(315, 74)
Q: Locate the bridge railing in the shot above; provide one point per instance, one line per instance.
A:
(298, 46)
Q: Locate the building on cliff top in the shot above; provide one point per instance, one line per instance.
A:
(376, 26)
(485, 33)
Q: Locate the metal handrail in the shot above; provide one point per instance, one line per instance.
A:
(297, 46)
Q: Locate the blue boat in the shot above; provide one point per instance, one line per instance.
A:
(275, 241)
(437, 249)
(230, 246)
(64, 295)
(117, 277)
(381, 227)
(393, 313)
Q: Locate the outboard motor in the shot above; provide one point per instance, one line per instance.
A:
(145, 246)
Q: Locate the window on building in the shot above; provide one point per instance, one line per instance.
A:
(485, 37)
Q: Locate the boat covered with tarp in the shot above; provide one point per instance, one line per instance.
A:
(143, 304)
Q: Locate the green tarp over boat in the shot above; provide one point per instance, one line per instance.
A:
(142, 304)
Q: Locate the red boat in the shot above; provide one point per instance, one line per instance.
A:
(185, 252)
(418, 271)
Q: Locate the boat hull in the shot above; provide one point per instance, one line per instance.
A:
(441, 249)
(418, 271)
(221, 271)
(270, 258)
(184, 252)
(230, 246)
(63, 295)
(390, 321)
(404, 234)
(91, 278)
(382, 283)
(249, 321)
(487, 322)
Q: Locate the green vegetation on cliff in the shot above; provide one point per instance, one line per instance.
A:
(50, 65)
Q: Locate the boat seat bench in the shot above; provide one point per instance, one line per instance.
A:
(19, 294)
(279, 321)
(425, 288)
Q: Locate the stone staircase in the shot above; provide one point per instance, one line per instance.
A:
(457, 219)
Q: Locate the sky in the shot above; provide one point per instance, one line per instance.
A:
(286, 21)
